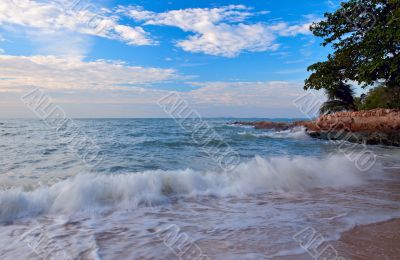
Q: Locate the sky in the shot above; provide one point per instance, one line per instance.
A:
(117, 58)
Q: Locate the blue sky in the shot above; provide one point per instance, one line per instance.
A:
(116, 58)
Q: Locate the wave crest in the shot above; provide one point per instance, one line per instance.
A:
(97, 191)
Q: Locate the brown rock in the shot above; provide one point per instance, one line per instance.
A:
(384, 123)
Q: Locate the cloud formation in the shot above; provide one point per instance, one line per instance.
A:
(104, 88)
(254, 94)
(81, 17)
(52, 72)
(69, 78)
(219, 31)
(130, 83)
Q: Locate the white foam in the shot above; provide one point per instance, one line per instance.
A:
(98, 191)
(240, 125)
(295, 133)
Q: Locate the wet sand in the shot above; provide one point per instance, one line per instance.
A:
(374, 241)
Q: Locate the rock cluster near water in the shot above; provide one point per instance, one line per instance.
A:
(267, 125)
(378, 126)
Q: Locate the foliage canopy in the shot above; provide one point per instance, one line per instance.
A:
(365, 37)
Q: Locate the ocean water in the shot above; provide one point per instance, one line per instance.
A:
(156, 193)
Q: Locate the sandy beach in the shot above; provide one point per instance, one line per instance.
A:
(374, 241)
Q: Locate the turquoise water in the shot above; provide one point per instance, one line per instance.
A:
(105, 188)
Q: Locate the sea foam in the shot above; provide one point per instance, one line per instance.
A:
(127, 191)
(294, 133)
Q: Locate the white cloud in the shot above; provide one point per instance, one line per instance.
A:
(51, 72)
(133, 36)
(61, 15)
(229, 41)
(188, 18)
(222, 31)
(283, 29)
(116, 78)
(215, 98)
(219, 31)
(254, 94)
(97, 88)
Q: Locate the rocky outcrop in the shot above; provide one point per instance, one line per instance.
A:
(378, 126)
(377, 120)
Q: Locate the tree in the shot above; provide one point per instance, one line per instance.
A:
(365, 38)
(381, 97)
(339, 98)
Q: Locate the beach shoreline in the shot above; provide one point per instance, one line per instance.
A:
(378, 240)
(285, 184)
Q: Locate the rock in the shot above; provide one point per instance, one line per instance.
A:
(377, 126)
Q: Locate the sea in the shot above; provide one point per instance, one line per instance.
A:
(157, 189)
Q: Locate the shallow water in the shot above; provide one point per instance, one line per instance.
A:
(154, 178)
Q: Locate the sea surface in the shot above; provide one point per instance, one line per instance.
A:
(157, 193)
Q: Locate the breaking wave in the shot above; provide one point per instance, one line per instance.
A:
(127, 191)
